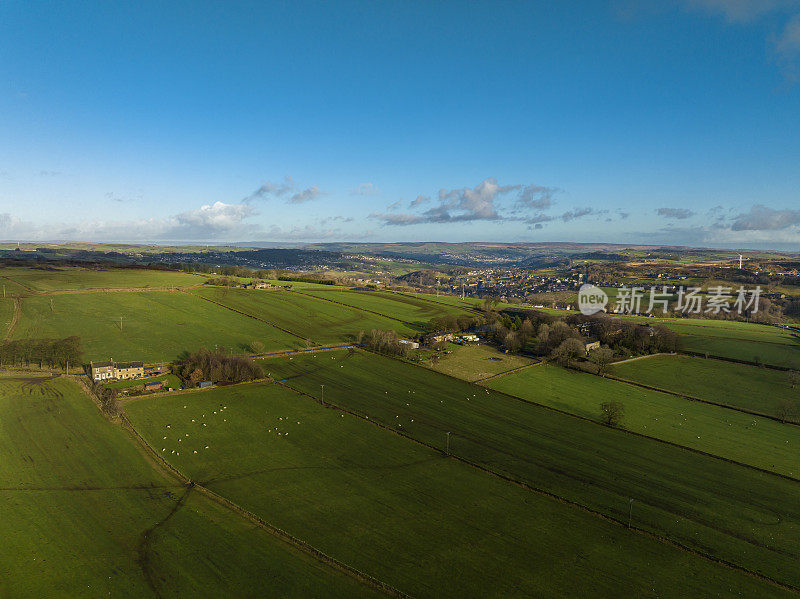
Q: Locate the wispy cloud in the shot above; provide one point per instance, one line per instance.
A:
(464, 204)
(365, 189)
(676, 213)
(286, 191)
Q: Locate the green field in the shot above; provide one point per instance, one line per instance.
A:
(321, 321)
(413, 310)
(156, 325)
(84, 514)
(11, 287)
(774, 354)
(742, 515)
(65, 278)
(6, 314)
(170, 380)
(747, 439)
(748, 387)
(405, 514)
(475, 362)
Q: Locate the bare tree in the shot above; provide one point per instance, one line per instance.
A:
(612, 413)
(602, 359)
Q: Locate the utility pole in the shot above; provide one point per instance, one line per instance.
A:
(120, 323)
(630, 512)
(740, 261)
(323, 393)
(447, 442)
(4, 291)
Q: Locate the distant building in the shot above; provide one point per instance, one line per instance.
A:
(592, 344)
(409, 343)
(470, 338)
(100, 371)
(153, 385)
(203, 384)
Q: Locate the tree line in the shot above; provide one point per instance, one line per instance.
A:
(56, 353)
(216, 366)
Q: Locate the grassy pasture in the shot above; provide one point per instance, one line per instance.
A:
(756, 389)
(726, 433)
(316, 319)
(405, 514)
(156, 326)
(775, 354)
(75, 278)
(12, 288)
(745, 516)
(6, 313)
(77, 498)
(474, 362)
(170, 380)
(414, 310)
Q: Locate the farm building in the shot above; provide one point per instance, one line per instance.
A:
(592, 344)
(153, 385)
(203, 384)
(440, 338)
(409, 343)
(100, 371)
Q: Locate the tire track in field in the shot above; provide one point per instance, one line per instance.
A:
(144, 546)
(14, 318)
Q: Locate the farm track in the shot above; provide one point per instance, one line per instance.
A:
(295, 542)
(14, 318)
(539, 491)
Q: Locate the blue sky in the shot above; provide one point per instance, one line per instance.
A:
(607, 121)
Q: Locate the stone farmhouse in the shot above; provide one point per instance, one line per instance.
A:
(101, 371)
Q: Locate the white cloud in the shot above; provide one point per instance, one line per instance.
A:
(287, 191)
(365, 189)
